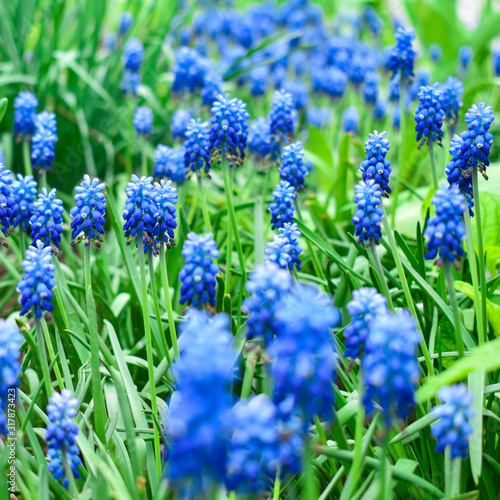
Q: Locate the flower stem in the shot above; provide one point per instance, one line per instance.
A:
(378, 267)
(277, 486)
(149, 349)
(448, 273)
(69, 474)
(480, 248)
(358, 448)
(204, 208)
(144, 159)
(168, 300)
(43, 357)
(385, 472)
(28, 169)
(432, 156)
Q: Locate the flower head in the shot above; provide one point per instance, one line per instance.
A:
(319, 117)
(6, 202)
(180, 121)
(165, 198)
(46, 220)
(281, 120)
(170, 163)
(199, 271)
(368, 215)
(291, 234)
(389, 366)
(402, 55)
(299, 93)
(189, 70)
(465, 55)
(451, 100)
(292, 168)
(61, 435)
(495, 59)
(130, 82)
(38, 281)
(212, 87)
(330, 80)
(375, 165)
(46, 120)
(278, 251)
(25, 105)
(370, 87)
(453, 428)
(143, 120)
(429, 116)
(282, 209)
(259, 137)
(126, 22)
(372, 19)
(365, 305)
(133, 55)
(436, 52)
(89, 212)
(43, 145)
(380, 108)
(350, 120)
(24, 192)
(196, 146)
(258, 80)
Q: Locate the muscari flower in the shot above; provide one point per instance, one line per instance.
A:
(390, 367)
(350, 120)
(89, 212)
(429, 116)
(6, 202)
(126, 22)
(375, 165)
(10, 347)
(280, 119)
(372, 20)
(143, 120)
(453, 428)
(43, 144)
(25, 105)
(465, 55)
(165, 198)
(133, 54)
(199, 271)
(370, 87)
(368, 215)
(267, 285)
(292, 168)
(319, 117)
(445, 231)
(212, 87)
(46, 220)
(196, 146)
(299, 93)
(258, 81)
(331, 81)
(169, 163)
(180, 121)
(282, 209)
(46, 120)
(130, 82)
(451, 100)
(38, 281)
(364, 307)
(303, 354)
(199, 420)
(259, 137)
(435, 51)
(24, 193)
(402, 55)
(284, 250)
(228, 133)
(61, 436)
(495, 59)
(396, 117)
(380, 108)
(189, 70)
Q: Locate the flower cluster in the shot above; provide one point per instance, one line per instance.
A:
(259, 137)
(350, 120)
(46, 220)
(180, 121)
(196, 146)
(43, 144)
(375, 165)
(451, 100)
(370, 88)
(6, 202)
(402, 55)
(284, 250)
(165, 198)
(170, 163)
(89, 212)
(61, 436)
(330, 81)
(25, 105)
(429, 116)
(24, 192)
(38, 281)
(292, 168)
(281, 120)
(132, 61)
(143, 121)
(189, 70)
(282, 210)
(465, 55)
(199, 271)
(299, 93)
(126, 22)
(368, 215)
(319, 117)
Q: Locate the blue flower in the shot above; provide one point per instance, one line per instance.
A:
(445, 231)
(61, 436)
(368, 215)
(372, 20)
(259, 137)
(143, 120)
(350, 120)
(396, 117)
(46, 220)
(199, 420)
(24, 193)
(303, 355)
(169, 163)
(453, 428)
(199, 271)
(139, 210)
(133, 54)
(375, 165)
(465, 55)
(370, 87)
(196, 146)
(165, 198)
(299, 93)
(130, 82)
(281, 120)
(228, 134)
(258, 80)
(359, 66)
(364, 307)
(436, 52)
(282, 209)
(110, 41)
(189, 70)
(402, 55)
(394, 89)
(390, 367)
(267, 285)
(451, 100)
(292, 168)
(43, 144)
(2, 157)
(46, 120)
(180, 120)
(38, 281)
(331, 81)
(284, 250)
(429, 116)
(89, 212)
(126, 22)
(319, 117)
(212, 87)
(25, 105)
(10, 347)
(380, 108)
(6, 202)
(495, 59)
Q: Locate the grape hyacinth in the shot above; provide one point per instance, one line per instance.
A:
(299, 93)
(165, 198)
(365, 306)
(390, 367)
(402, 56)
(6, 203)
(465, 55)
(170, 163)
(61, 436)
(212, 87)
(24, 193)
(130, 82)
(267, 285)
(495, 60)
(199, 271)
(445, 231)
(282, 209)
(370, 88)
(89, 213)
(259, 137)
(453, 428)
(281, 120)
(25, 105)
(319, 117)
(368, 215)
(143, 121)
(46, 220)
(292, 168)
(285, 247)
(46, 120)
(330, 81)
(43, 145)
(38, 281)
(350, 120)
(228, 133)
(435, 52)
(10, 347)
(278, 251)
(258, 81)
(451, 100)
(429, 116)
(375, 165)
(189, 70)
(126, 22)
(180, 121)
(133, 55)
(196, 146)
(380, 108)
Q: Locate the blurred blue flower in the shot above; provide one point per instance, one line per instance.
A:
(436, 52)
(258, 80)
(372, 20)
(331, 81)
(292, 168)
(396, 117)
(299, 93)
(196, 146)
(465, 55)
(281, 121)
(169, 163)
(25, 105)
(43, 144)
(212, 87)
(350, 120)
(259, 137)
(319, 117)
(24, 193)
(46, 220)
(402, 56)
(133, 54)
(180, 120)
(368, 216)
(380, 108)
(189, 70)
(282, 209)
(375, 165)
(369, 89)
(143, 120)
(6, 202)
(130, 82)
(451, 100)
(126, 22)
(495, 59)
(429, 116)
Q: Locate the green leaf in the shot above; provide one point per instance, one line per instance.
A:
(476, 387)
(3, 107)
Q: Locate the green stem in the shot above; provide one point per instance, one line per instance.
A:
(97, 393)
(168, 300)
(383, 281)
(69, 474)
(156, 302)
(309, 489)
(28, 169)
(251, 363)
(149, 350)
(52, 355)
(43, 357)
(43, 179)
(448, 274)
(144, 159)
(480, 248)
(471, 252)
(358, 448)
(204, 208)
(433, 165)
(385, 473)
(277, 486)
